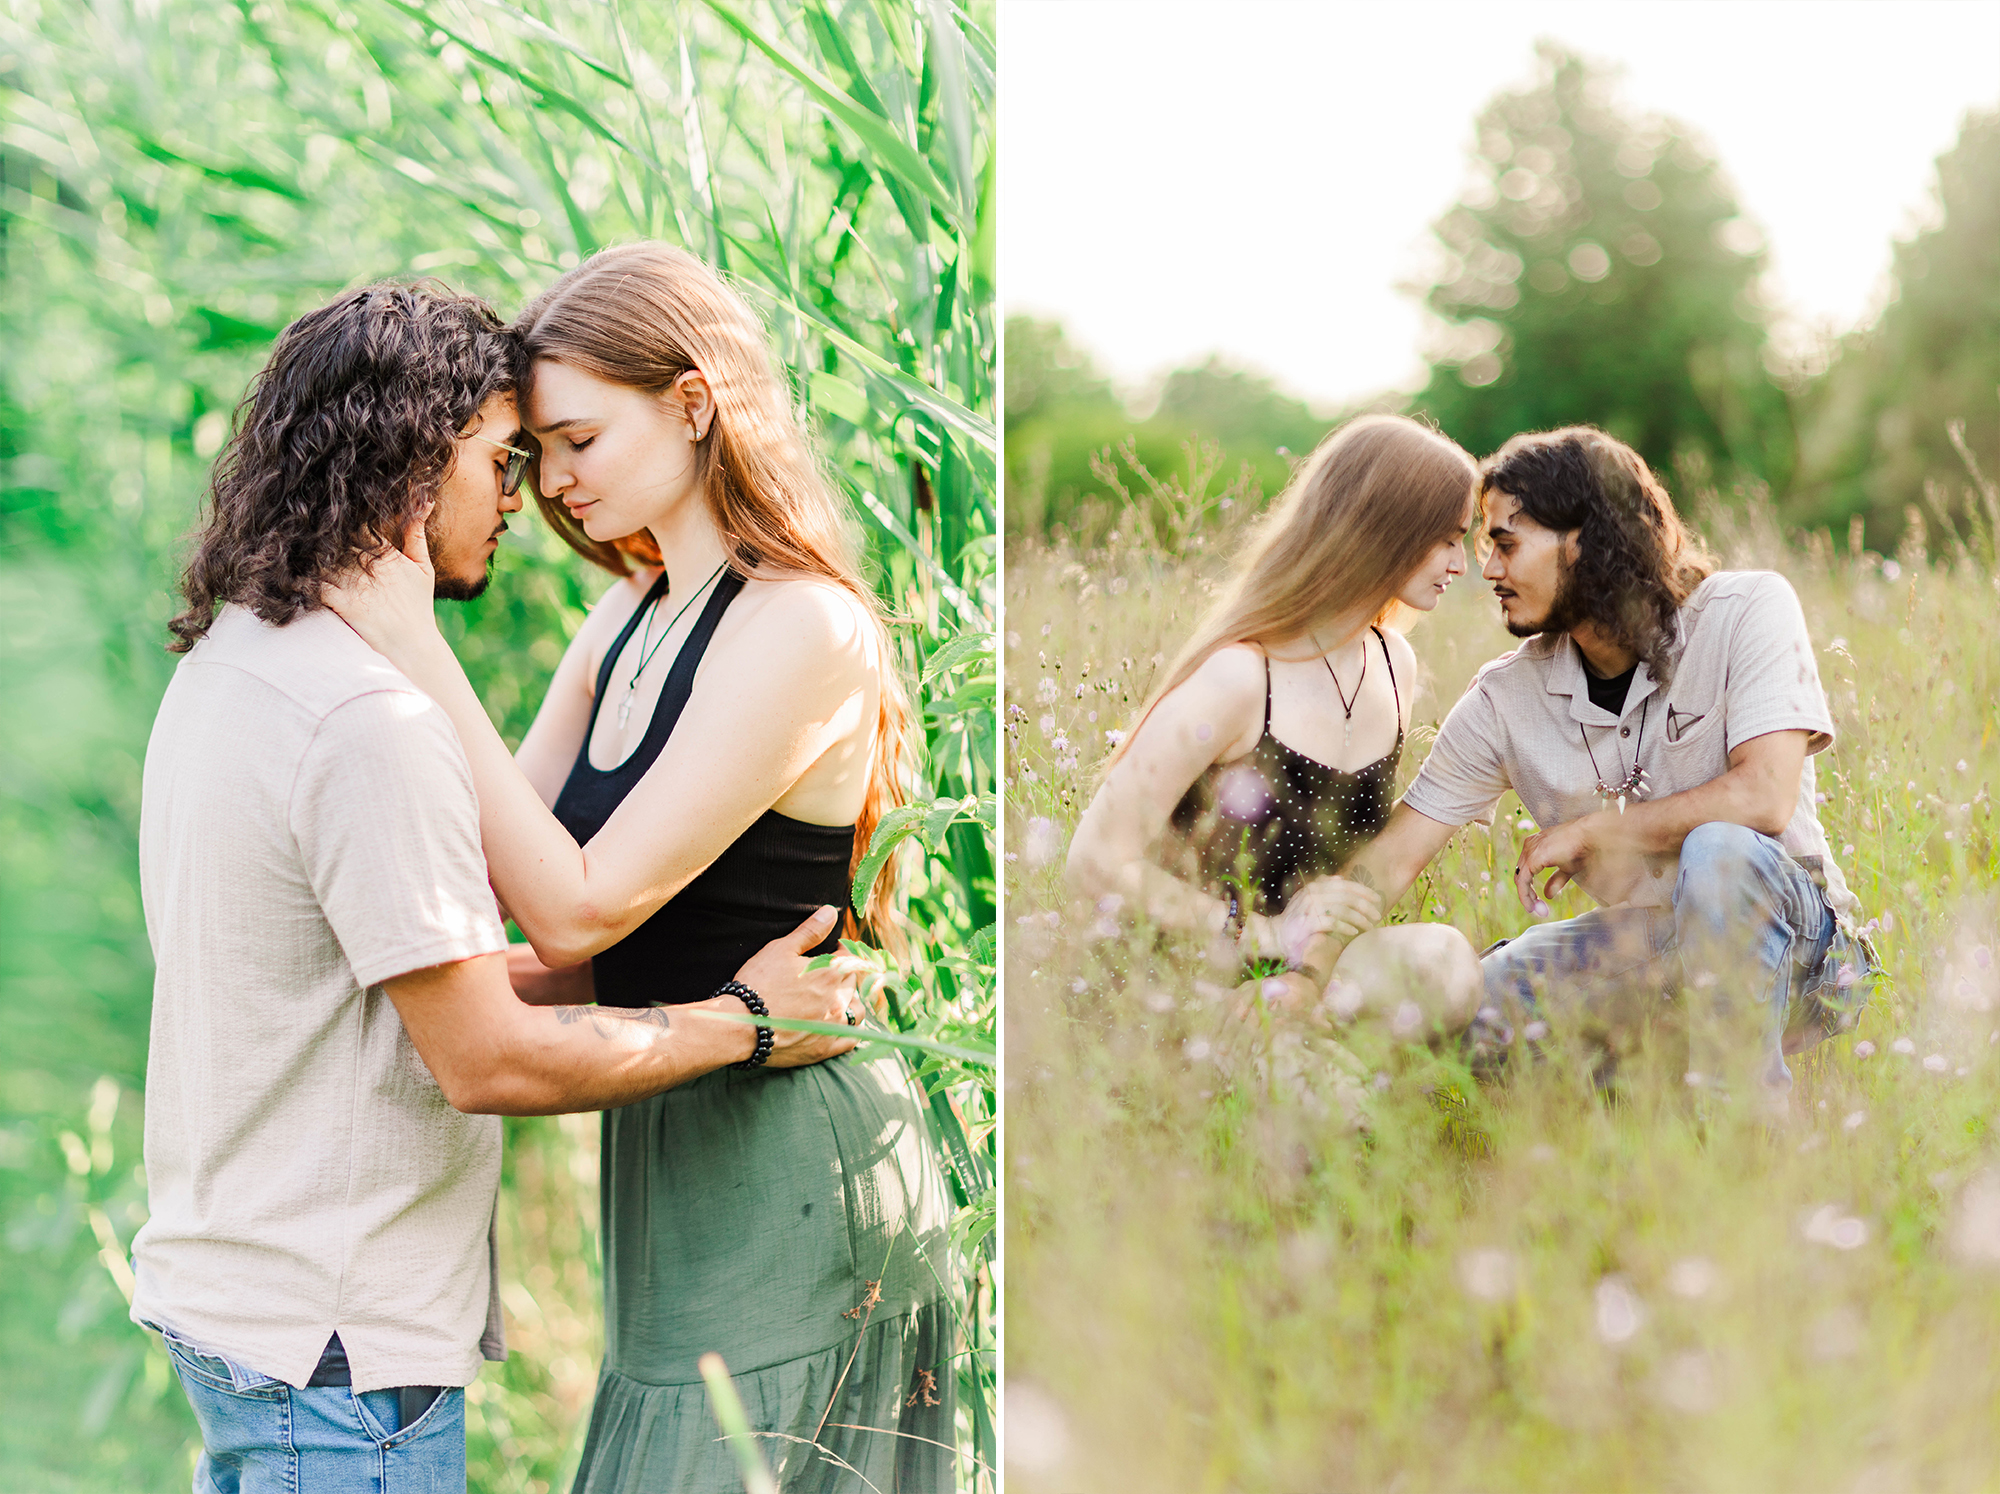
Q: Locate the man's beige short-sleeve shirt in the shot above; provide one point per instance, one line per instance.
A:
(1745, 667)
(309, 829)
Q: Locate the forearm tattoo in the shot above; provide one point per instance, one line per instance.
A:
(1362, 875)
(605, 1020)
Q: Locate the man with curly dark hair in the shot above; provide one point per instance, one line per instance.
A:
(334, 1033)
(1659, 725)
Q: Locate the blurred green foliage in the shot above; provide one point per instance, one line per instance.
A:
(1598, 268)
(1065, 425)
(1875, 432)
(178, 180)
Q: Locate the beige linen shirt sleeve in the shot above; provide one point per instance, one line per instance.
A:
(387, 825)
(1773, 681)
(1466, 773)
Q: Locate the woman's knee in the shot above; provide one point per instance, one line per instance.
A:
(1431, 964)
(1461, 982)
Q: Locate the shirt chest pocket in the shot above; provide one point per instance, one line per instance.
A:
(1690, 719)
(1692, 739)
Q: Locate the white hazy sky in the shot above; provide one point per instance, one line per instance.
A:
(1255, 178)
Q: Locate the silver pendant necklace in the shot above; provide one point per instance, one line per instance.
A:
(646, 653)
(1346, 705)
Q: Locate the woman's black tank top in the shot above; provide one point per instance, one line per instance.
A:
(1273, 820)
(765, 884)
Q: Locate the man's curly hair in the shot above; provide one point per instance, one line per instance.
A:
(347, 432)
(1636, 561)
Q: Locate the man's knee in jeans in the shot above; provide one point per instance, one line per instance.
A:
(1721, 863)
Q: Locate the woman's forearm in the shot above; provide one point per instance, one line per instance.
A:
(1172, 903)
(538, 985)
(1321, 954)
(1146, 887)
(539, 871)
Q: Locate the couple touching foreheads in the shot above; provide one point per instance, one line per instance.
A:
(1658, 723)
(339, 1020)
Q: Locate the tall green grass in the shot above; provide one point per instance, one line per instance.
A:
(180, 179)
(1213, 1285)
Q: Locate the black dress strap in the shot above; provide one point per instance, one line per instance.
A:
(680, 679)
(1393, 686)
(674, 692)
(1267, 698)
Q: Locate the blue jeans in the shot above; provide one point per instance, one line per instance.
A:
(261, 1436)
(1750, 946)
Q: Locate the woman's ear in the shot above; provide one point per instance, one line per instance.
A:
(697, 402)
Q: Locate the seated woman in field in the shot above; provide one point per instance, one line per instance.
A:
(1268, 755)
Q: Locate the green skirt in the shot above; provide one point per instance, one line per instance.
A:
(792, 1221)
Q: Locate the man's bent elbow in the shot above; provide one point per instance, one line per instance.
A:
(1774, 813)
(465, 1092)
(499, 1093)
(504, 1077)
(1772, 825)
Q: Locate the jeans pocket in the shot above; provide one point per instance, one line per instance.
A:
(377, 1408)
(1839, 988)
(217, 1373)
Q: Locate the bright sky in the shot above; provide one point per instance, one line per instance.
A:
(1255, 178)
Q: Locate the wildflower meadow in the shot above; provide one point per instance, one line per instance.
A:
(1217, 1282)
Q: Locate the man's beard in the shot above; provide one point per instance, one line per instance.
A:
(451, 588)
(1566, 611)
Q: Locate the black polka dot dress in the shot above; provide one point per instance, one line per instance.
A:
(1273, 820)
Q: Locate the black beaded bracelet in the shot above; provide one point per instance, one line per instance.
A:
(765, 1037)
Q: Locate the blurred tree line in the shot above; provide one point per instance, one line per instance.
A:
(178, 181)
(1598, 268)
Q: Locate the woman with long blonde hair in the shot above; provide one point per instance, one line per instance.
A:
(716, 746)
(1267, 755)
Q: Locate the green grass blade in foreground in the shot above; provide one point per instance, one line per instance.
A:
(966, 607)
(543, 31)
(544, 93)
(969, 1179)
(947, 66)
(977, 427)
(894, 152)
(728, 1408)
(984, 1057)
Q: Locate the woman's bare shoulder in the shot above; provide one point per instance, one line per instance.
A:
(826, 611)
(1225, 691)
(811, 621)
(1402, 653)
(1233, 675)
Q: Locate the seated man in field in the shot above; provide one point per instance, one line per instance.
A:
(1659, 724)
(334, 1033)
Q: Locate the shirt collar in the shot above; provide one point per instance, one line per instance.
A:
(1567, 677)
